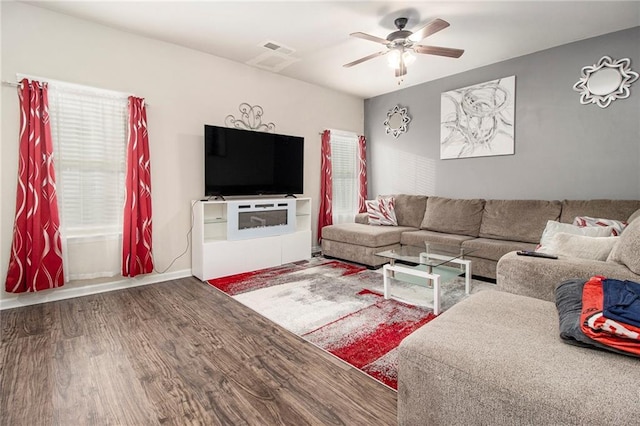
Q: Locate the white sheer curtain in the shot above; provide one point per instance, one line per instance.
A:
(345, 173)
(89, 135)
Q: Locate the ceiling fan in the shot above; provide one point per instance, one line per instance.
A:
(401, 43)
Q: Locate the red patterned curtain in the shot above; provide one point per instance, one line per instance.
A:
(35, 261)
(325, 216)
(362, 174)
(137, 257)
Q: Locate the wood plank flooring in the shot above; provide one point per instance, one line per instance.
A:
(178, 353)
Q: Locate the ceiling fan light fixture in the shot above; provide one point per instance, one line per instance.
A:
(393, 58)
(408, 57)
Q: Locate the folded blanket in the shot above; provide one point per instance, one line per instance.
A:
(621, 301)
(594, 325)
(569, 303)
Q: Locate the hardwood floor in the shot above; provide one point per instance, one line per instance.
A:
(178, 352)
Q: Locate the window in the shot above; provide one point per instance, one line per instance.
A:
(89, 132)
(345, 175)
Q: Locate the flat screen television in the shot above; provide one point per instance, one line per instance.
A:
(245, 162)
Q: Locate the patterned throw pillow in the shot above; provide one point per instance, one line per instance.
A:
(381, 211)
(617, 225)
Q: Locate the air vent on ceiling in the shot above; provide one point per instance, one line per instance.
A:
(277, 47)
(277, 57)
(272, 61)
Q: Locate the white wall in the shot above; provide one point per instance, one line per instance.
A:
(184, 89)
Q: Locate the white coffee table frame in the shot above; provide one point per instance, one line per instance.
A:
(389, 269)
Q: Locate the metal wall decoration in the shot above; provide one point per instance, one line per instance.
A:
(397, 121)
(251, 119)
(478, 121)
(605, 81)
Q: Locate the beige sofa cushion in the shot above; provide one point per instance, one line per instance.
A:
(606, 209)
(627, 251)
(354, 253)
(461, 217)
(537, 277)
(364, 235)
(362, 218)
(517, 220)
(410, 209)
(634, 216)
(494, 249)
(418, 238)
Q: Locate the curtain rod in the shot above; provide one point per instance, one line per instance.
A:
(11, 83)
(340, 132)
(18, 84)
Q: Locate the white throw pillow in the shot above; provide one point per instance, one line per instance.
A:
(553, 227)
(592, 248)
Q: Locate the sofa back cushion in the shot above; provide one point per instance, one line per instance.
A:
(607, 209)
(461, 217)
(410, 209)
(517, 220)
(627, 249)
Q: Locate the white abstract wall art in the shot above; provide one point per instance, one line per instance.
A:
(478, 121)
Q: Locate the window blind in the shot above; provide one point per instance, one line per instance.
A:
(89, 130)
(344, 165)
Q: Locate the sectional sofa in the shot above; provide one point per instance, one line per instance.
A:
(492, 228)
(496, 357)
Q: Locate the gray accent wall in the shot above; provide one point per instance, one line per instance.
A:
(563, 149)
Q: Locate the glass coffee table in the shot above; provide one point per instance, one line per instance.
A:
(433, 263)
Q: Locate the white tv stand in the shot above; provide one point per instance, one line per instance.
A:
(236, 236)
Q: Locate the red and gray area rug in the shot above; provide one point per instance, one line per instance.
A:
(338, 307)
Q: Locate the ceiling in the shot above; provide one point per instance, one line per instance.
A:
(317, 32)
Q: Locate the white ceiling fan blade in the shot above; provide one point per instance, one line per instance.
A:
(440, 51)
(431, 28)
(369, 37)
(366, 58)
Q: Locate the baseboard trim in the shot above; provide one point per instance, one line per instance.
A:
(69, 291)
